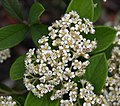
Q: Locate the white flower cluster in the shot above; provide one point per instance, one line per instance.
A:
(112, 91)
(58, 60)
(4, 54)
(112, 87)
(90, 98)
(7, 101)
(114, 61)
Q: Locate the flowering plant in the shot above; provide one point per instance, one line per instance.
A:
(68, 66)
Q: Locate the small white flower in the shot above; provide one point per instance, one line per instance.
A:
(112, 87)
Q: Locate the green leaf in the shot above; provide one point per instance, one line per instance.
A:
(12, 35)
(104, 37)
(13, 8)
(97, 10)
(32, 100)
(18, 68)
(96, 72)
(20, 99)
(38, 31)
(4, 88)
(85, 8)
(35, 12)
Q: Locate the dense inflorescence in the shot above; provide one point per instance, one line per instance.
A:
(86, 94)
(7, 101)
(4, 54)
(112, 90)
(90, 98)
(112, 87)
(59, 60)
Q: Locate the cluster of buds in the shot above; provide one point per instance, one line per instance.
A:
(114, 61)
(4, 54)
(58, 60)
(90, 98)
(112, 87)
(67, 35)
(112, 90)
(7, 101)
(86, 94)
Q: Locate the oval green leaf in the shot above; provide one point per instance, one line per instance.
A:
(96, 72)
(32, 100)
(18, 68)
(12, 35)
(13, 7)
(85, 8)
(38, 31)
(35, 12)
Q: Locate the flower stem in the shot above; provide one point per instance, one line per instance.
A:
(78, 102)
(13, 93)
